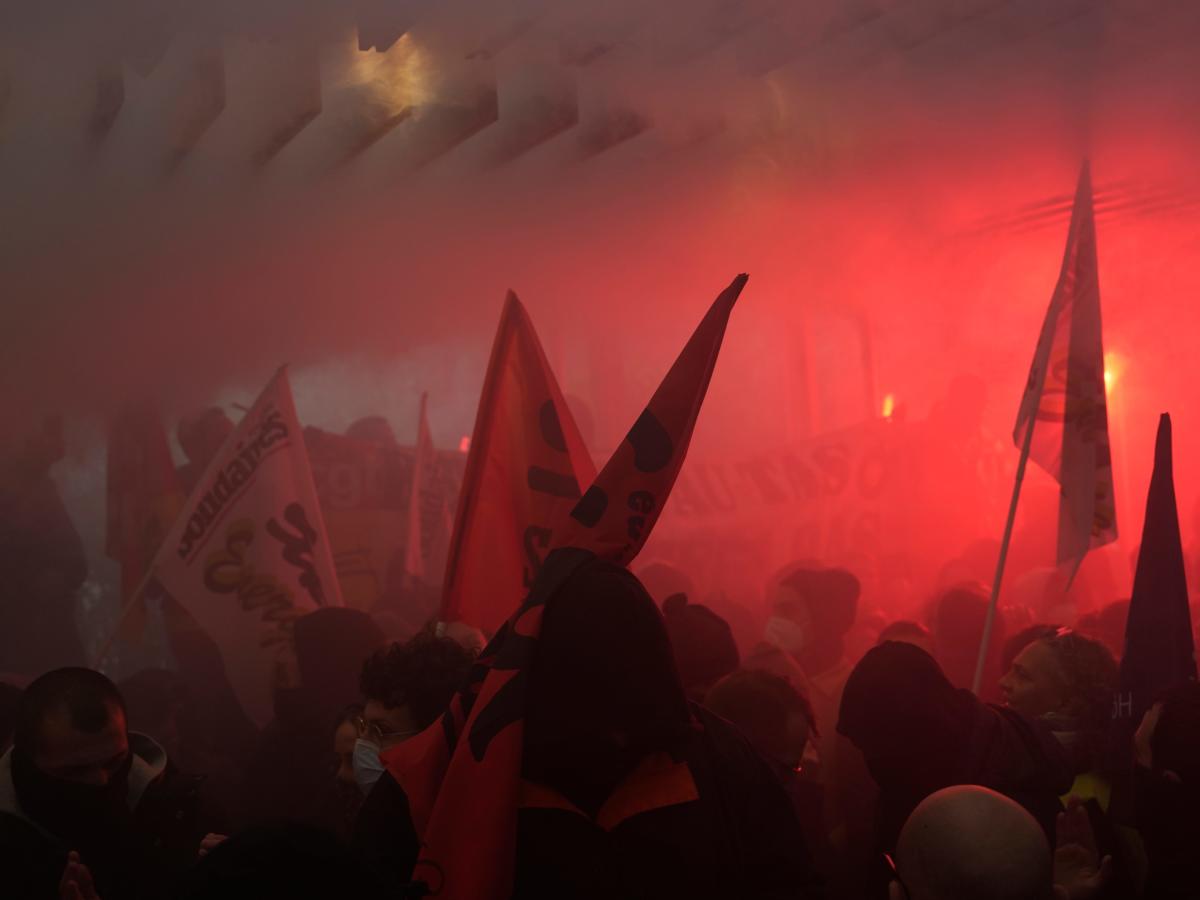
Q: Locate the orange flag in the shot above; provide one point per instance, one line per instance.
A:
(462, 775)
(525, 471)
(144, 497)
(616, 514)
(414, 559)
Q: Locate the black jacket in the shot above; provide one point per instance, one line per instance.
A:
(168, 825)
(733, 833)
(919, 734)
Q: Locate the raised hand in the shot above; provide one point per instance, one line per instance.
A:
(76, 882)
(1079, 871)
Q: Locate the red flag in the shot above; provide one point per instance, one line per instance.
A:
(414, 560)
(462, 775)
(144, 497)
(1064, 401)
(525, 471)
(616, 514)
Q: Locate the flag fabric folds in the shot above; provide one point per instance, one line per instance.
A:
(615, 516)
(248, 554)
(1159, 652)
(462, 775)
(526, 469)
(1064, 402)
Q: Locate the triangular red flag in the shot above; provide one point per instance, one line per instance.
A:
(615, 516)
(462, 775)
(526, 469)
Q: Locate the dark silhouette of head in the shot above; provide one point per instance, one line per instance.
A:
(705, 650)
(776, 718)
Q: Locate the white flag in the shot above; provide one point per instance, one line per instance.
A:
(1065, 396)
(248, 554)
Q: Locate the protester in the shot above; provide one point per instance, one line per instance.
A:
(970, 842)
(703, 644)
(627, 791)
(919, 734)
(778, 721)
(1022, 639)
(1107, 625)
(405, 687)
(217, 736)
(957, 626)
(1067, 681)
(350, 727)
(288, 778)
(78, 781)
(908, 632)
(42, 561)
(812, 611)
(1167, 752)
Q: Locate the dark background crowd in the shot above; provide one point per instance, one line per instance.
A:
(671, 749)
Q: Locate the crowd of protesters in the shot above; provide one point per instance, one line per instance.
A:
(668, 750)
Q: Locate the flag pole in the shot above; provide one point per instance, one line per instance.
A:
(1008, 530)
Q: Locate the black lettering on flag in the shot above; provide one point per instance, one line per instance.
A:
(298, 548)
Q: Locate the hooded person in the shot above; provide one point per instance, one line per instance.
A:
(288, 776)
(703, 643)
(626, 789)
(919, 734)
(78, 781)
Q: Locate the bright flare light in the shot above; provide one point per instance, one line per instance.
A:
(889, 405)
(1112, 370)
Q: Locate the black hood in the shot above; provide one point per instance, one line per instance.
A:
(603, 687)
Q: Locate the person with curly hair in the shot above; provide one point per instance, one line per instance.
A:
(405, 688)
(1066, 680)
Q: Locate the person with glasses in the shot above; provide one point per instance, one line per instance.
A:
(405, 688)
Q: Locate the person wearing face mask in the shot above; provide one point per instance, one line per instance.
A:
(84, 799)
(623, 788)
(350, 727)
(405, 688)
(812, 610)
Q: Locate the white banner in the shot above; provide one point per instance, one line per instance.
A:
(248, 554)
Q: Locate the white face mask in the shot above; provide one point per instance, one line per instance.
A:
(785, 634)
(368, 768)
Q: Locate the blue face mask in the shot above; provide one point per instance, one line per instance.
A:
(368, 768)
